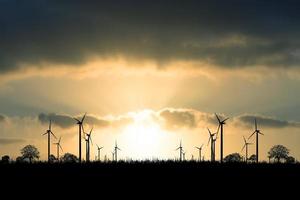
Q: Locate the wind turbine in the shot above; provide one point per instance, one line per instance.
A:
(116, 151)
(212, 141)
(221, 124)
(99, 149)
(49, 133)
(180, 148)
(257, 132)
(88, 139)
(200, 150)
(246, 146)
(58, 146)
(183, 155)
(80, 123)
(113, 155)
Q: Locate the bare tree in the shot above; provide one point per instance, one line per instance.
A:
(279, 152)
(30, 152)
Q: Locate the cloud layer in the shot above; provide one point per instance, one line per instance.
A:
(227, 34)
(5, 141)
(172, 119)
(66, 121)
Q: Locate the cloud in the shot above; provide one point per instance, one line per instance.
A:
(190, 118)
(66, 121)
(227, 34)
(186, 118)
(6, 141)
(175, 119)
(264, 121)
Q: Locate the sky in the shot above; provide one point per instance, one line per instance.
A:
(149, 74)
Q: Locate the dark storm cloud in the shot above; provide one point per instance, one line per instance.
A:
(225, 33)
(66, 121)
(5, 141)
(178, 118)
(265, 121)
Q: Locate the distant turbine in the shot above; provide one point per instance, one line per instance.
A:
(183, 155)
(180, 148)
(80, 123)
(212, 141)
(257, 132)
(200, 151)
(88, 139)
(99, 149)
(116, 151)
(246, 146)
(49, 133)
(113, 155)
(221, 124)
(58, 146)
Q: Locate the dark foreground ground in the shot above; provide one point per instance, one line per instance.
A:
(148, 176)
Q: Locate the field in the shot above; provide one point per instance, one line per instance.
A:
(143, 173)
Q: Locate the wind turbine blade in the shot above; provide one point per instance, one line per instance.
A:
(243, 147)
(53, 134)
(261, 133)
(97, 146)
(209, 132)
(83, 118)
(59, 140)
(50, 125)
(197, 148)
(91, 139)
(252, 134)
(255, 123)
(218, 129)
(177, 148)
(45, 133)
(218, 118)
(201, 146)
(245, 140)
(76, 119)
(61, 147)
(208, 140)
(119, 148)
(225, 119)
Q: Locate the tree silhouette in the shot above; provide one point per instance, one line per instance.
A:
(5, 159)
(290, 159)
(52, 158)
(279, 152)
(30, 152)
(252, 158)
(234, 157)
(69, 158)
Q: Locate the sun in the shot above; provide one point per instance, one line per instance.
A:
(144, 136)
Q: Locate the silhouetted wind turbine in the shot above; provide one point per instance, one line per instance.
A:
(212, 141)
(246, 146)
(200, 150)
(113, 155)
(257, 132)
(221, 124)
(49, 133)
(80, 123)
(180, 148)
(183, 155)
(116, 151)
(99, 149)
(88, 139)
(58, 146)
